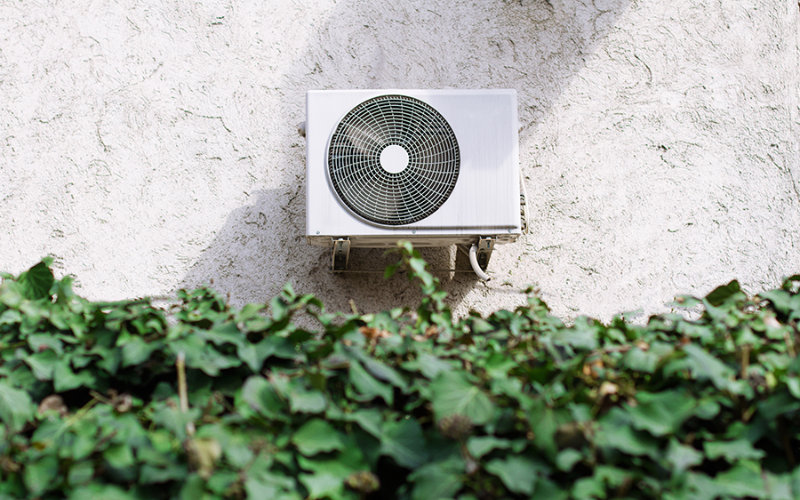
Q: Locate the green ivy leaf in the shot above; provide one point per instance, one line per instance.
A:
(255, 354)
(642, 361)
(64, 379)
(42, 364)
(479, 446)
(742, 480)
(262, 487)
(80, 473)
(453, 394)
(302, 400)
(781, 300)
(793, 384)
(704, 366)
(16, 407)
(615, 432)
(384, 372)
(429, 365)
(519, 474)
(370, 420)
(551, 490)
(234, 443)
(223, 333)
(104, 491)
(589, 487)
(732, 451)
(36, 282)
(261, 396)
(193, 488)
(682, 457)
(342, 464)
(83, 441)
(498, 364)
(437, 480)
(40, 342)
(173, 419)
(198, 355)
(403, 441)
(10, 317)
(612, 476)
(661, 413)
(367, 385)
(723, 293)
(707, 408)
(779, 486)
(542, 420)
(322, 485)
(119, 456)
(222, 481)
(317, 436)
(136, 351)
(40, 475)
(583, 335)
(566, 459)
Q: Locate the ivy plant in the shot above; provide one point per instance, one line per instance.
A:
(198, 399)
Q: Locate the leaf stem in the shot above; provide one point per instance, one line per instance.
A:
(182, 391)
(13, 346)
(745, 360)
(790, 344)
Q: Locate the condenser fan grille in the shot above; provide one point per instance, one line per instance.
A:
(393, 160)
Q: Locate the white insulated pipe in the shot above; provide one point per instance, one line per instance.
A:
(473, 260)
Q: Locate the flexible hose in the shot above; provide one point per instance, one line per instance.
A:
(473, 260)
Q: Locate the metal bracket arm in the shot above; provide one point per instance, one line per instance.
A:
(340, 255)
(485, 247)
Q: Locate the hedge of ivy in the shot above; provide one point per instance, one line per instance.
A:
(201, 400)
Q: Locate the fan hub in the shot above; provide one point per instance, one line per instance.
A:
(394, 159)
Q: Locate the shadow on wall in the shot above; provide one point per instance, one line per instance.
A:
(250, 260)
(533, 46)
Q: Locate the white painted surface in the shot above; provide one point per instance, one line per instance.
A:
(394, 159)
(153, 144)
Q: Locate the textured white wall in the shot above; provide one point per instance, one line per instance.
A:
(151, 144)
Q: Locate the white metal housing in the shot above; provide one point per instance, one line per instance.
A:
(485, 200)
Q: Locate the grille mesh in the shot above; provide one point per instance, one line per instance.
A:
(375, 193)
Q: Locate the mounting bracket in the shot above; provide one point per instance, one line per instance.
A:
(485, 247)
(340, 255)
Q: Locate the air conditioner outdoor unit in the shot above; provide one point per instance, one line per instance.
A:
(435, 167)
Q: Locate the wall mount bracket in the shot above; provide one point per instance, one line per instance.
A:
(340, 255)
(485, 247)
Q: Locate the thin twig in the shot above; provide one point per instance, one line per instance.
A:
(609, 350)
(3, 347)
(745, 360)
(789, 344)
(182, 392)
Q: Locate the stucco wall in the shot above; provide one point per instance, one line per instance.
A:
(151, 145)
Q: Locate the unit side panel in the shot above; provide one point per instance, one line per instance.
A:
(487, 192)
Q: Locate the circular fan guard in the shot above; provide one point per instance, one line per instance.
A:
(396, 194)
